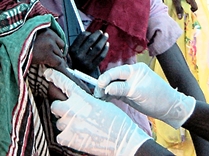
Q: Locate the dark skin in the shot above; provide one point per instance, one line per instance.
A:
(165, 60)
(88, 50)
(180, 10)
(196, 123)
(179, 76)
(151, 148)
(49, 48)
(49, 45)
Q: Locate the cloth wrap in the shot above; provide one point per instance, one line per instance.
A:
(16, 112)
(113, 16)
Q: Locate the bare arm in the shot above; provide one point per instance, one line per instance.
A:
(151, 148)
(198, 121)
(179, 76)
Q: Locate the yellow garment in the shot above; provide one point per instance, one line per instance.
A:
(203, 47)
(194, 44)
(164, 134)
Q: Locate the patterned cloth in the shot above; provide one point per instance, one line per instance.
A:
(14, 14)
(26, 124)
(18, 109)
(195, 48)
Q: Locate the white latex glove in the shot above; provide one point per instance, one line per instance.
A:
(147, 92)
(92, 125)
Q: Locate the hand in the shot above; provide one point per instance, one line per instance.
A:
(179, 8)
(91, 125)
(147, 92)
(88, 50)
(48, 49)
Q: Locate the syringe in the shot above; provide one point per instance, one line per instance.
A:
(83, 76)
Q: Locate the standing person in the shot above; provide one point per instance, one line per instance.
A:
(31, 40)
(124, 38)
(19, 131)
(193, 45)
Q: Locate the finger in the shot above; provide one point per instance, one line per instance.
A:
(117, 88)
(56, 42)
(102, 55)
(97, 46)
(178, 7)
(91, 40)
(60, 80)
(79, 41)
(64, 138)
(62, 69)
(60, 65)
(60, 43)
(58, 51)
(91, 61)
(55, 61)
(61, 125)
(59, 108)
(193, 4)
(83, 52)
(117, 73)
(55, 93)
(71, 107)
(76, 80)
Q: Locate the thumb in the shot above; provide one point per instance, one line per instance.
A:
(60, 80)
(114, 74)
(117, 88)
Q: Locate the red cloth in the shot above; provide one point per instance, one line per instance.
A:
(126, 23)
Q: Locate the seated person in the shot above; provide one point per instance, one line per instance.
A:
(31, 40)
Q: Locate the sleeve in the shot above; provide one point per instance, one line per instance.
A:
(163, 31)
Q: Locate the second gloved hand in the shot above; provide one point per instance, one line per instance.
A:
(147, 92)
(92, 125)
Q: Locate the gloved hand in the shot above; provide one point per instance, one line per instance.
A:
(92, 125)
(147, 92)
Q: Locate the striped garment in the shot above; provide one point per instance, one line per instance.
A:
(27, 126)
